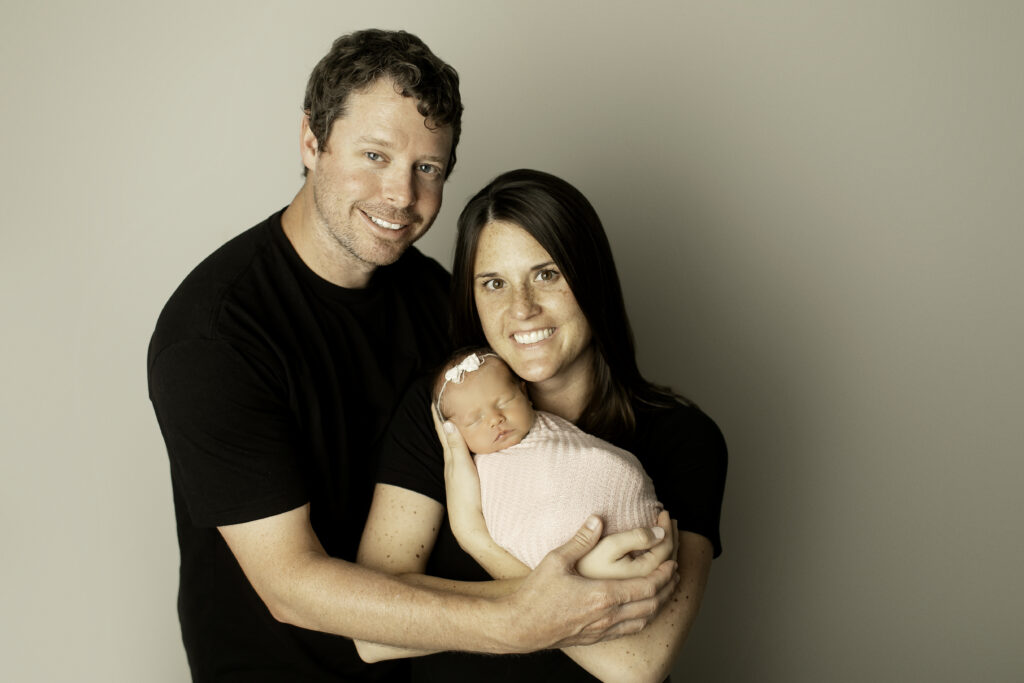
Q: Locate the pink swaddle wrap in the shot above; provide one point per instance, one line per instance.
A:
(538, 493)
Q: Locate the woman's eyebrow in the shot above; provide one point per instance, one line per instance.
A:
(546, 264)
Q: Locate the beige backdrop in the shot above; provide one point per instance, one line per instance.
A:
(815, 208)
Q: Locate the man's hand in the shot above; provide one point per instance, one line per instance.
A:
(556, 607)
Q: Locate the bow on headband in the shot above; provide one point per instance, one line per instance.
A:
(457, 373)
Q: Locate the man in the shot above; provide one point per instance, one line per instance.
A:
(274, 369)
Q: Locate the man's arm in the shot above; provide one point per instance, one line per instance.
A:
(303, 586)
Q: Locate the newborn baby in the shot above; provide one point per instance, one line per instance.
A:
(540, 475)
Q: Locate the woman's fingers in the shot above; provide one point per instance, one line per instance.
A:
(633, 553)
(457, 459)
(666, 549)
(447, 434)
(621, 556)
(461, 481)
(634, 540)
(580, 544)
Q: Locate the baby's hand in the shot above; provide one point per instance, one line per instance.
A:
(631, 554)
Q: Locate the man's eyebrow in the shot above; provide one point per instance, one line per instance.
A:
(380, 142)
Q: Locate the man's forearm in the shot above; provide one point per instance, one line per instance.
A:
(375, 652)
(551, 607)
(413, 613)
(301, 585)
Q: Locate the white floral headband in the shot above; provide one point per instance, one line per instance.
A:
(457, 373)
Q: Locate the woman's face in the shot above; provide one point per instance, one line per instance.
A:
(528, 313)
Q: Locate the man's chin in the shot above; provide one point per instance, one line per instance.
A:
(385, 255)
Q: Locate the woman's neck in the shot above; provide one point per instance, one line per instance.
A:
(566, 394)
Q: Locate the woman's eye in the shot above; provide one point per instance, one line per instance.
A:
(547, 275)
(493, 284)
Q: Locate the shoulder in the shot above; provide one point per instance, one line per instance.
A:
(680, 429)
(416, 264)
(677, 416)
(193, 310)
(410, 454)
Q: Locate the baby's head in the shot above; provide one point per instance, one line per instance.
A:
(478, 393)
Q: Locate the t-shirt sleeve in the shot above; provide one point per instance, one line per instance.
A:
(231, 439)
(685, 455)
(411, 455)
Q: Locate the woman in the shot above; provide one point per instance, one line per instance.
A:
(534, 279)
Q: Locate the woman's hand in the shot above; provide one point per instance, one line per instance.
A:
(462, 486)
(631, 554)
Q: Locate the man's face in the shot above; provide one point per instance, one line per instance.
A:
(377, 186)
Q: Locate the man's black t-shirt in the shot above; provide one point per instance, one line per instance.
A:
(273, 388)
(681, 449)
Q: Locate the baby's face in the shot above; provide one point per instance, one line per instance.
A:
(490, 408)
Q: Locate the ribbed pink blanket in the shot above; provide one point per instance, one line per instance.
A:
(538, 493)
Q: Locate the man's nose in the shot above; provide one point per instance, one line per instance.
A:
(399, 187)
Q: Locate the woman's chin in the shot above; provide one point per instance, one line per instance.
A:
(533, 372)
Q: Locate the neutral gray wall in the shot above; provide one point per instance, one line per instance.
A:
(816, 211)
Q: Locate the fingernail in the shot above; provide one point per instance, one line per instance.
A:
(449, 428)
(659, 533)
(591, 522)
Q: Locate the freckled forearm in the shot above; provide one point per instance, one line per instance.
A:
(649, 654)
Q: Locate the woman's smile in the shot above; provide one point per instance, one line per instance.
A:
(533, 336)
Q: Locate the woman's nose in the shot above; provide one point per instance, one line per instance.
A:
(525, 304)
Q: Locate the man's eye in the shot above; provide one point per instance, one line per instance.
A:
(373, 156)
(429, 169)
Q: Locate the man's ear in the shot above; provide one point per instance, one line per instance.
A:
(308, 145)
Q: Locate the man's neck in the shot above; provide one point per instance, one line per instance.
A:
(316, 247)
